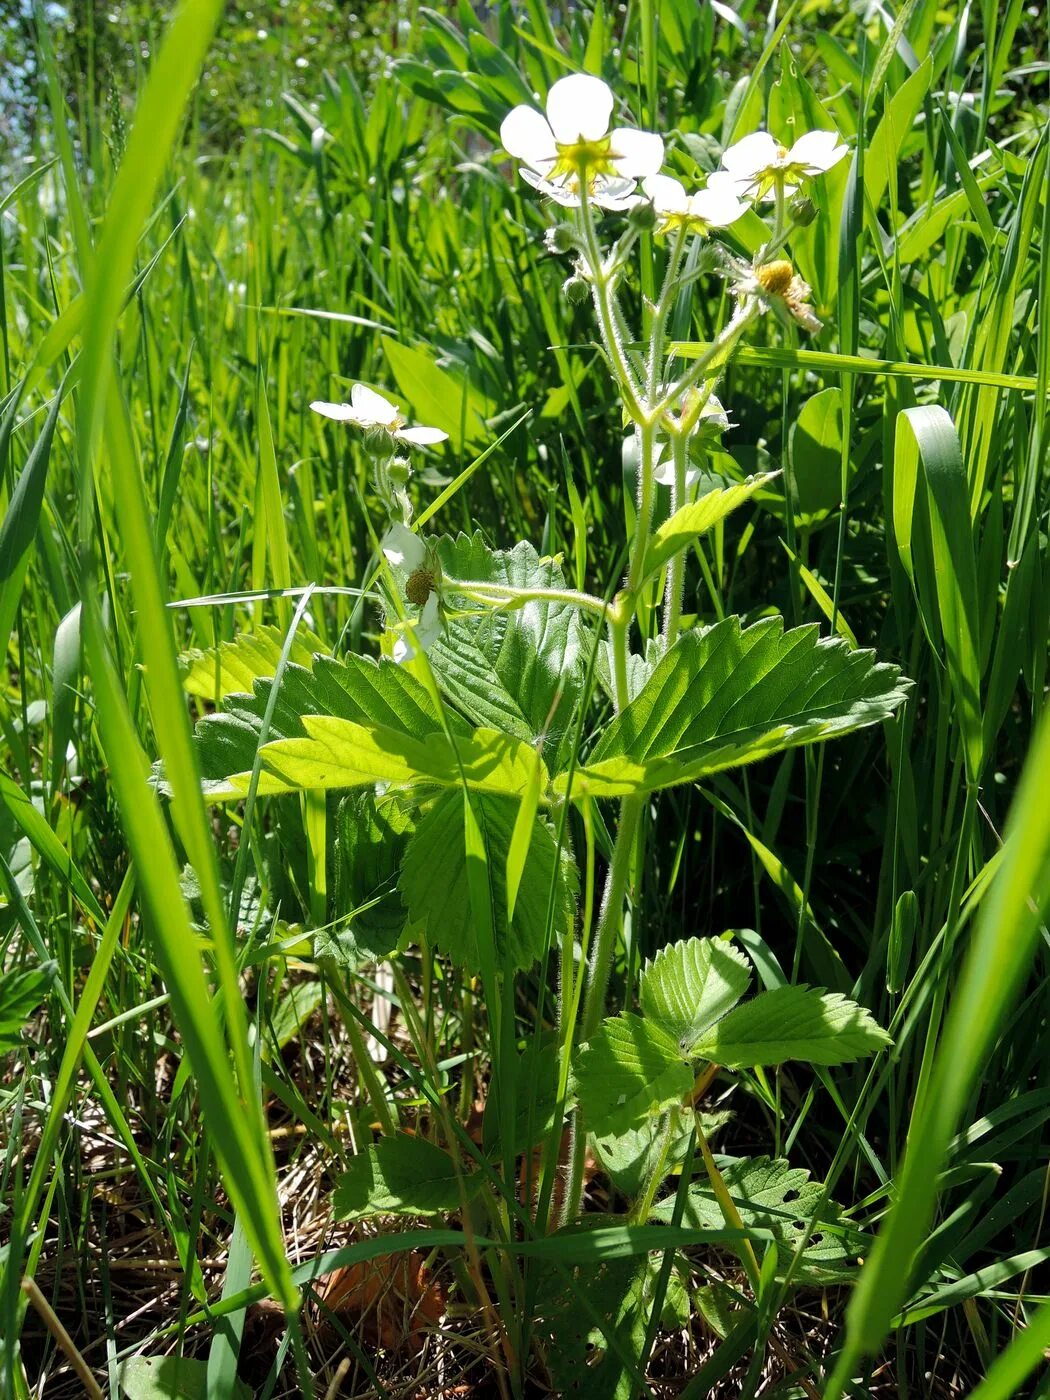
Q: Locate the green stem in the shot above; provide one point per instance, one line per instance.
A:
(619, 625)
(499, 593)
(603, 305)
(712, 358)
(676, 568)
(643, 523)
(603, 947)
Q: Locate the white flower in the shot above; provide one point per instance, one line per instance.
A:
(759, 163)
(367, 409)
(715, 206)
(420, 635)
(403, 548)
(573, 141)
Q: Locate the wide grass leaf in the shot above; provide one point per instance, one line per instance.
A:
(730, 695)
(402, 1175)
(689, 984)
(792, 1023)
(434, 883)
(628, 1070)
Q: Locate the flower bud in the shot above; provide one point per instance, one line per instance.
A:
(803, 211)
(378, 443)
(560, 239)
(576, 291)
(399, 471)
(642, 215)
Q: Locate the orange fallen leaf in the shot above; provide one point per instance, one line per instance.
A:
(392, 1300)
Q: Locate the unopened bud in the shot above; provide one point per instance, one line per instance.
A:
(399, 471)
(642, 215)
(803, 211)
(378, 443)
(576, 291)
(560, 239)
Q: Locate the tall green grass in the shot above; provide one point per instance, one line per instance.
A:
(172, 302)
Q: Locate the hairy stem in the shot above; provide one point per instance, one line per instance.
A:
(676, 568)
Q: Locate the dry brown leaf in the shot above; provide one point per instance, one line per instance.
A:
(392, 1300)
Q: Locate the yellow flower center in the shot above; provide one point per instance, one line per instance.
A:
(775, 278)
(589, 158)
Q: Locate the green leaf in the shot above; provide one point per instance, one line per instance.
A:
(339, 753)
(772, 1195)
(695, 519)
(816, 456)
(233, 667)
(792, 1023)
(926, 442)
(690, 984)
(170, 1378)
(629, 1159)
(518, 668)
(435, 887)
(20, 995)
(628, 1070)
(370, 840)
(730, 695)
(402, 1175)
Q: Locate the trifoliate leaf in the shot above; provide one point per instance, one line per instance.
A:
(233, 667)
(435, 887)
(727, 696)
(629, 1159)
(628, 1070)
(21, 992)
(689, 984)
(402, 1175)
(792, 1023)
(367, 911)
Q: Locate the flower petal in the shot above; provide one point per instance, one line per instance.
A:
(717, 207)
(612, 193)
(429, 627)
(561, 193)
(747, 157)
(724, 182)
(668, 195)
(579, 108)
(526, 136)
(817, 151)
(338, 412)
(371, 407)
(403, 548)
(636, 153)
(421, 437)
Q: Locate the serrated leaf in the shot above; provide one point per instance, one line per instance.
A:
(354, 688)
(435, 887)
(630, 1158)
(689, 984)
(691, 521)
(627, 1071)
(792, 1023)
(402, 1175)
(731, 695)
(772, 1195)
(339, 753)
(368, 914)
(233, 667)
(518, 668)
